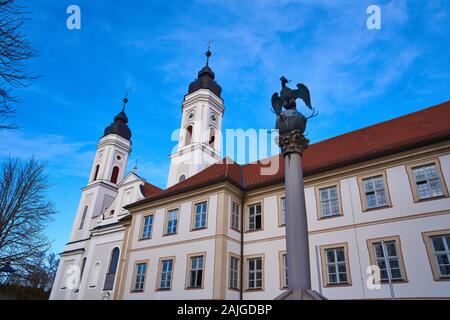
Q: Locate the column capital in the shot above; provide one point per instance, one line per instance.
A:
(293, 142)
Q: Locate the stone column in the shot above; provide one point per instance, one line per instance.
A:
(297, 246)
(291, 125)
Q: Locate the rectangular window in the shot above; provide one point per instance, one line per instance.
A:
(441, 253)
(172, 221)
(386, 254)
(283, 270)
(437, 244)
(196, 265)
(254, 273)
(336, 265)
(254, 217)
(375, 192)
(147, 228)
(235, 216)
(139, 280)
(166, 269)
(234, 272)
(329, 201)
(200, 215)
(427, 181)
(283, 210)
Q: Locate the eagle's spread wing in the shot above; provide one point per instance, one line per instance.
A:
(302, 92)
(276, 104)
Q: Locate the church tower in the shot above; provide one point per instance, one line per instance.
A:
(200, 137)
(107, 171)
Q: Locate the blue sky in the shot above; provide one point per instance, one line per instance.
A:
(357, 77)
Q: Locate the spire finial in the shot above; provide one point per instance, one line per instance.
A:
(136, 165)
(125, 100)
(208, 52)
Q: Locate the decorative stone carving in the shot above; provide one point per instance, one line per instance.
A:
(293, 142)
(291, 126)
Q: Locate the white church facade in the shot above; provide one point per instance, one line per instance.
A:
(377, 196)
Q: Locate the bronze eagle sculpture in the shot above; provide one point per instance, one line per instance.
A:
(287, 98)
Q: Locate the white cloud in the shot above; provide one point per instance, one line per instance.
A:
(65, 157)
(324, 44)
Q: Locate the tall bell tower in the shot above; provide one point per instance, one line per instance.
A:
(107, 172)
(200, 138)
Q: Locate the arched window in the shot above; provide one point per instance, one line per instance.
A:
(182, 178)
(83, 217)
(111, 274)
(188, 138)
(97, 168)
(115, 174)
(212, 137)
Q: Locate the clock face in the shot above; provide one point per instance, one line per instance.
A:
(191, 115)
(213, 118)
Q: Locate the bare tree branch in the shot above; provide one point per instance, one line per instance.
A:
(15, 50)
(25, 212)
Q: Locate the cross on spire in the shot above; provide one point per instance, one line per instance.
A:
(125, 100)
(208, 52)
(136, 165)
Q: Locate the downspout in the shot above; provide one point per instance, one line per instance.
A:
(241, 273)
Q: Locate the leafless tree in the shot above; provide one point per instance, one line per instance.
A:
(15, 50)
(25, 212)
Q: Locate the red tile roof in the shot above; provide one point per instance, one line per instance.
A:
(417, 129)
(149, 190)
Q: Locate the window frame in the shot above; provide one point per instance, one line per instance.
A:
(324, 262)
(233, 201)
(282, 270)
(141, 229)
(166, 221)
(317, 189)
(398, 247)
(247, 215)
(133, 279)
(363, 195)
(109, 266)
(188, 270)
(236, 256)
(193, 214)
(160, 271)
(246, 271)
(280, 198)
(426, 236)
(412, 182)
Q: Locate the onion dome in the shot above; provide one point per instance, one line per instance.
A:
(119, 126)
(205, 79)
